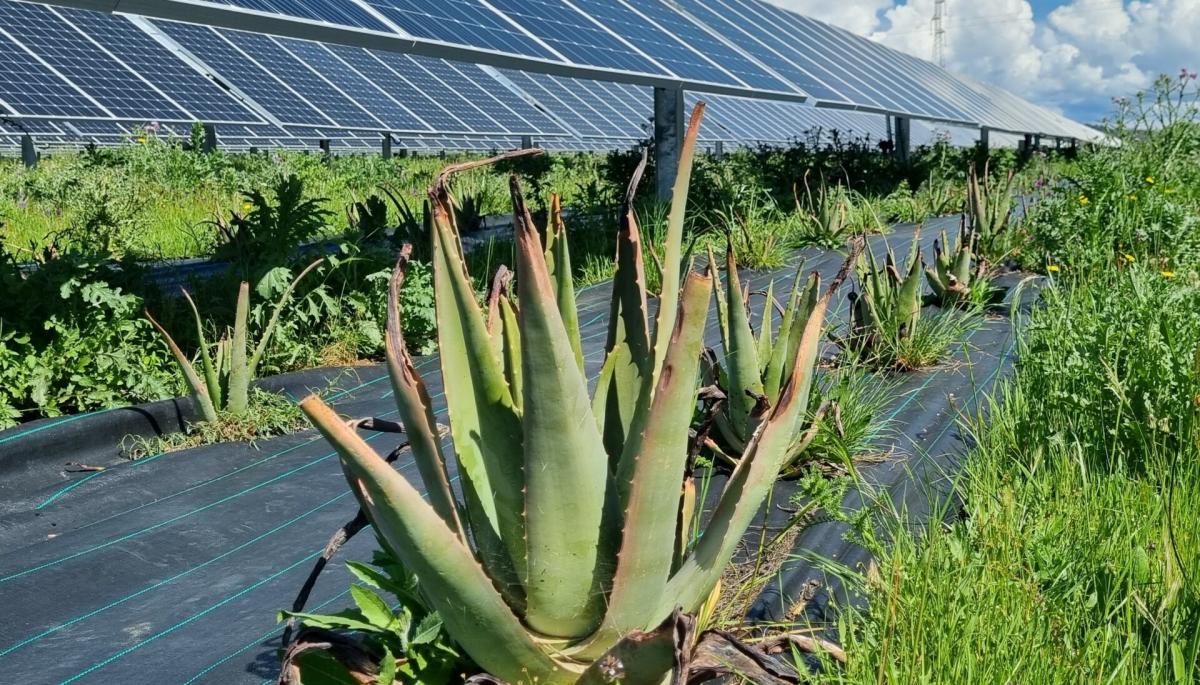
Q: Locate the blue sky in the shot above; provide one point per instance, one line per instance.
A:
(1070, 55)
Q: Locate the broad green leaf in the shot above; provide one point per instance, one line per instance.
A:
(427, 630)
(387, 669)
(372, 606)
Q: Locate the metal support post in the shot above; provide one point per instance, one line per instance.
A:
(668, 138)
(29, 153)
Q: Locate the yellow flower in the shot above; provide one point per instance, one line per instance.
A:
(1168, 274)
(1083, 200)
(1150, 180)
(1129, 258)
(1133, 197)
(142, 140)
(1052, 269)
(246, 206)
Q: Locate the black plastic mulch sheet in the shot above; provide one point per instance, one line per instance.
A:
(171, 569)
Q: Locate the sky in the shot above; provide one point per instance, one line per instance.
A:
(1071, 55)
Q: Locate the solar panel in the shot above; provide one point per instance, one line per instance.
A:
(120, 91)
(337, 12)
(505, 118)
(573, 35)
(242, 72)
(387, 110)
(435, 115)
(27, 86)
(461, 22)
(203, 99)
(534, 118)
(665, 48)
(580, 122)
(308, 84)
(426, 82)
(704, 41)
(770, 50)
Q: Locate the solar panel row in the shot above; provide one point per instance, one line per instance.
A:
(59, 63)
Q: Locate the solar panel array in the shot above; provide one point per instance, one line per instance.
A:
(69, 76)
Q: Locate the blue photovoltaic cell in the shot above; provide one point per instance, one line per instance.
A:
(664, 47)
(463, 22)
(857, 59)
(427, 83)
(437, 117)
(532, 116)
(318, 92)
(571, 116)
(506, 118)
(704, 42)
(87, 66)
(30, 88)
(338, 12)
(769, 49)
(574, 35)
(569, 91)
(626, 124)
(243, 73)
(200, 96)
(348, 80)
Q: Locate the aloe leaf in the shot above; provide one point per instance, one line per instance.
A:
(668, 301)
(483, 418)
(212, 380)
(273, 322)
(651, 523)
(454, 583)
(239, 370)
(626, 368)
(558, 259)
(714, 272)
(416, 408)
(784, 345)
(741, 357)
(766, 332)
(511, 349)
(908, 299)
(755, 474)
(563, 449)
(199, 390)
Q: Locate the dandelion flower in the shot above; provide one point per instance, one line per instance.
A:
(1168, 274)
(1052, 269)
(1129, 258)
(246, 206)
(1150, 180)
(1083, 200)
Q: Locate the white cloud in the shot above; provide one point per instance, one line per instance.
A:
(1074, 59)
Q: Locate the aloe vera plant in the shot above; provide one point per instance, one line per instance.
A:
(956, 277)
(756, 369)
(887, 305)
(570, 552)
(222, 384)
(989, 210)
(825, 215)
